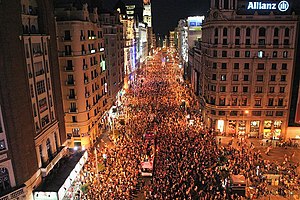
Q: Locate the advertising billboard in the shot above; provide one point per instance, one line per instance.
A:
(264, 6)
(195, 23)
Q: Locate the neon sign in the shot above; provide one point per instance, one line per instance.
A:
(281, 6)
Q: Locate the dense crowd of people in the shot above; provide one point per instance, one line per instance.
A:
(189, 162)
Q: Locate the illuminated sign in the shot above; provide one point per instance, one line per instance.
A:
(281, 6)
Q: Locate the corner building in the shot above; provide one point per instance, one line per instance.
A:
(248, 60)
(32, 134)
(83, 72)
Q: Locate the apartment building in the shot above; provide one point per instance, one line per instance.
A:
(84, 73)
(114, 53)
(32, 130)
(248, 60)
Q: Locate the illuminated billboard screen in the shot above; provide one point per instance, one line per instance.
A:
(264, 7)
(195, 23)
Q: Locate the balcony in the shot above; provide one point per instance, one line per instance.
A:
(70, 82)
(72, 97)
(82, 38)
(67, 38)
(73, 110)
(48, 165)
(84, 67)
(16, 193)
(69, 68)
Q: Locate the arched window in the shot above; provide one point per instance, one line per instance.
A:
(248, 31)
(49, 150)
(224, 31)
(237, 32)
(4, 180)
(262, 32)
(287, 32)
(276, 32)
(216, 32)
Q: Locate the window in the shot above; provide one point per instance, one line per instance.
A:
(279, 113)
(43, 105)
(45, 120)
(216, 32)
(237, 41)
(224, 54)
(223, 77)
(282, 89)
(225, 32)
(270, 102)
(275, 54)
(247, 54)
(280, 102)
(256, 113)
(222, 101)
(213, 88)
(271, 89)
(246, 77)
(269, 113)
(212, 100)
(216, 40)
(262, 32)
(214, 77)
(287, 32)
(224, 66)
(2, 145)
(275, 42)
(248, 32)
(74, 119)
(258, 89)
(285, 54)
(273, 78)
(215, 53)
(283, 78)
(261, 41)
(286, 41)
(233, 113)
(237, 54)
(260, 78)
(5, 180)
(237, 32)
(214, 66)
(235, 89)
(261, 54)
(284, 66)
(274, 66)
(221, 113)
(235, 77)
(245, 89)
(257, 102)
(246, 66)
(236, 66)
(222, 88)
(40, 87)
(276, 32)
(261, 66)
(244, 102)
(248, 41)
(224, 41)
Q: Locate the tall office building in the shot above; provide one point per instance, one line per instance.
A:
(31, 114)
(83, 72)
(248, 57)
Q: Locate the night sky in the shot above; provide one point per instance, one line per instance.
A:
(166, 13)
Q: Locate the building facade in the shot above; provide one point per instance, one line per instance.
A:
(114, 53)
(248, 59)
(32, 125)
(83, 73)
